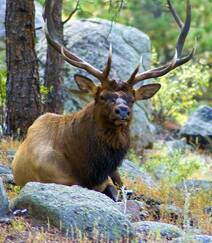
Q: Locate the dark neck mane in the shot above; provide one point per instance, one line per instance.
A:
(104, 147)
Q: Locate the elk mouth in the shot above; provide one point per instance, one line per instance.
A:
(121, 122)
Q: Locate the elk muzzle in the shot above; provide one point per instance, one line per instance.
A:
(122, 112)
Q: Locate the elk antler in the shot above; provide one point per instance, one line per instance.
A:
(70, 57)
(177, 59)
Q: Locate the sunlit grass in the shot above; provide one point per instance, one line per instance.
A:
(6, 145)
(179, 166)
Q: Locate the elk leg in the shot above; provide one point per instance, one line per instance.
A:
(115, 176)
(111, 192)
(108, 188)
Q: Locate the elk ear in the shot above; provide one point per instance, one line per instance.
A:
(147, 91)
(85, 84)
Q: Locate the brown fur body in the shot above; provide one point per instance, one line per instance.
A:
(71, 149)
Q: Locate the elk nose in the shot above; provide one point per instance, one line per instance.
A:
(122, 111)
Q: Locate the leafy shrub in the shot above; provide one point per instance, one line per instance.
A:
(132, 156)
(2, 87)
(179, 91)
(174, 167)
(2, 97)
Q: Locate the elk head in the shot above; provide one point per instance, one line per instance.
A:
(114, 99)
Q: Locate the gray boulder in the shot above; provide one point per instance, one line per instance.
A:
(133, 209)
(155, 230)
(135, 173)
(172, 212)
(194, 186)
(6, 174)
(5, 170)
(198, 129)
(177, 145)
(11, 154)
(90, 40)
(4, 203)
(75, 208)
(38, 19)
(208, 210)
(194, 239)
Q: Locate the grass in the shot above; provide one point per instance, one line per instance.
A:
(29, 230)
(197, 165)
(6, 145)
(177, 167)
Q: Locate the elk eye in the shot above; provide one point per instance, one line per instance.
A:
(102, 97)
(131, 100)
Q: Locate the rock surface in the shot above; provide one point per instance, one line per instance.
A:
(198, 129)
(156, 230)
(134, 173)
(90, 39)
(4, 203)
(178, 145)
(194, 239)
(208, 210)
(133, 209)
(172, 212)
(5, 170)
(75, 208)
(6, 174)
(196, 186)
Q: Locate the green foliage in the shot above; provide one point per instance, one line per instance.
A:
(174, 167)
(179, 91)
(2, 87)
(132, 156)
(41, 2)
(97, 8)
(153, 17)
(3, 78)
(93, 8)
(44, 90)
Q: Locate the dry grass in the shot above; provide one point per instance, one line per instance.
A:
(30, 231)
(9, 143)
(167, 195)
(6, 145)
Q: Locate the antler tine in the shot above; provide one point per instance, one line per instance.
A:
(108, 64)
(51, 35)
(136, 70)
(175, 15)
(177, 59)
(184, 27)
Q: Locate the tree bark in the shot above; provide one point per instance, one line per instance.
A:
(22, 94)
(54, 68)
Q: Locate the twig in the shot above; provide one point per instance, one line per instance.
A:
(115, 16)
(72, 13)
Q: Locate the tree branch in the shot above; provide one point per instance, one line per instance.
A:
(72, 13)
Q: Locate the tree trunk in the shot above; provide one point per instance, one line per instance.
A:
(54, 68)
(22, 94)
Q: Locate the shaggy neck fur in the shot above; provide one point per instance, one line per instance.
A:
(104, 146)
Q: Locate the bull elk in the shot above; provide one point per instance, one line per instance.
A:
(87, 147)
